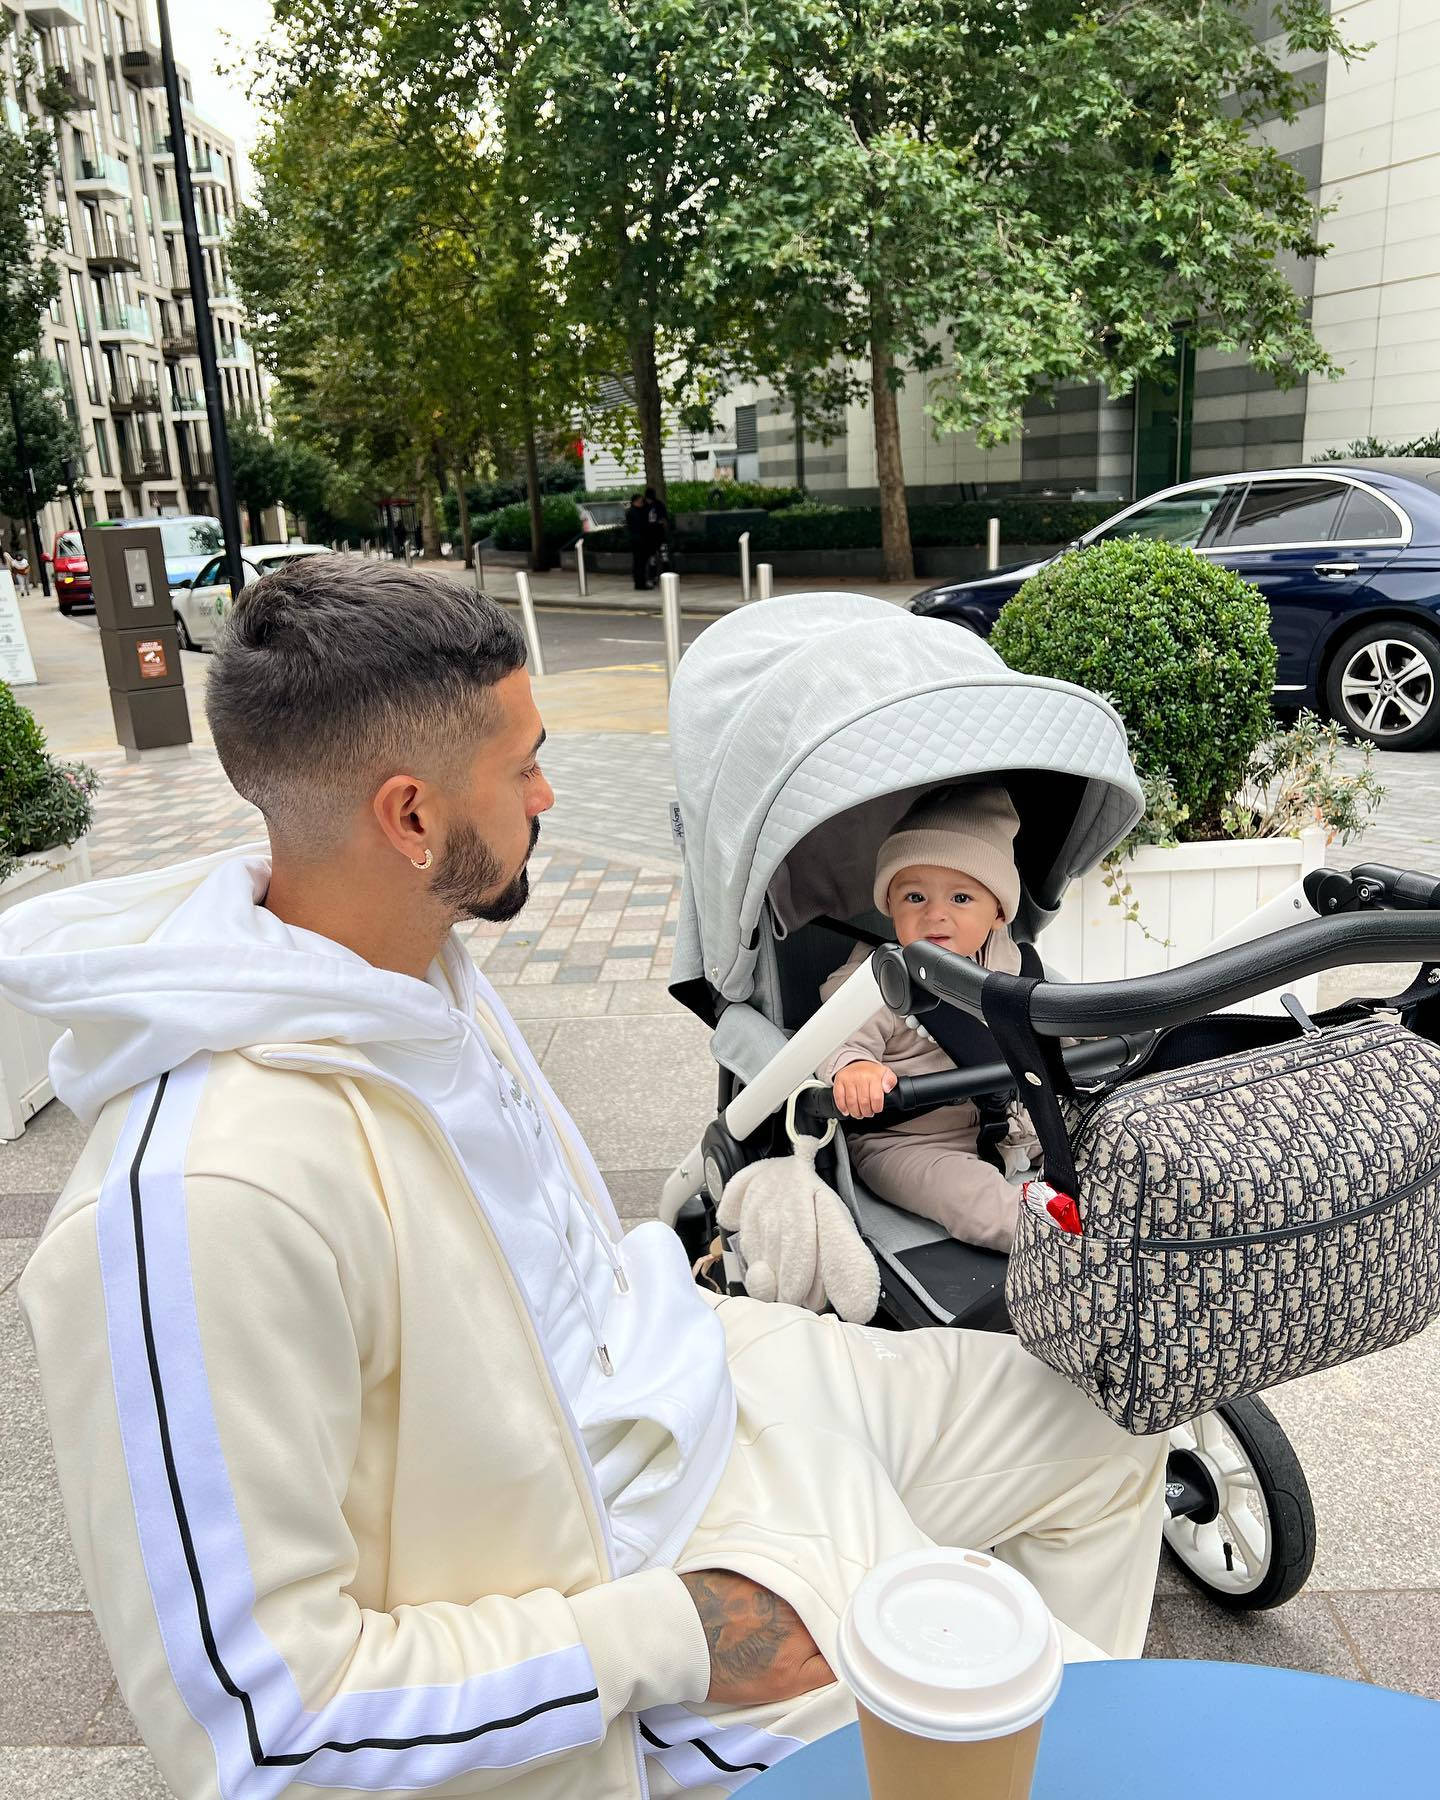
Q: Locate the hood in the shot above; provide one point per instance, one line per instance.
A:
(144, 971)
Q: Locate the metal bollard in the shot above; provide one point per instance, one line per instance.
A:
(992, 544)
(670, 622)
(762, 575)
(582, 586)
(744, 565)
(532, 628)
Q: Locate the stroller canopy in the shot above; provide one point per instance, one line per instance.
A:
(802, 728)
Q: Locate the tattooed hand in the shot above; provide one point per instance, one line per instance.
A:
(759, 1650)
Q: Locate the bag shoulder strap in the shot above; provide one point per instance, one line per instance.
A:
(1038, 1068)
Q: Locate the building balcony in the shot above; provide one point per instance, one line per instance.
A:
(101, 174)
(141, 65)
(225, 296)
(175, 344)
(216, 230)
(144, 465)
(81, 99)
(162, 148)
(14, 118)
(134, 396)
(197, 470)
(126, 322)
(207, 170)
(114, 251)
(236, 353)
(54, 15)
(187, 406)
(170, 219)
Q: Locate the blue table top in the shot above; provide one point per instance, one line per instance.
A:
(1133, 1730)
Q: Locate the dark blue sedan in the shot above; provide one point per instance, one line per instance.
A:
(1348, 556)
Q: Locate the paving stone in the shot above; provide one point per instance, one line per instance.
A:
(81, 1774)
(1396, 1637)
(41, 1158)
(1303, 1635)
(644, 997)
(38, 1572)
(576, 1002)
(618, 969)
(113, 1723)
(24, 1215)
(538, 974)
(636, 1192)
(640, 1089)
(14, 1254)
(58, 1678)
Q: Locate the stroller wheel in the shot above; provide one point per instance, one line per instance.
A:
(1240, 1521)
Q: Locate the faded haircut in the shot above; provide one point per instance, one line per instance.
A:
(333, 674)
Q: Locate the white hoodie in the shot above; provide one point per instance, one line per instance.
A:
(170, 972)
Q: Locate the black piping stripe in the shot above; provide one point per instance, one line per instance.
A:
(705, 1750)
(258, 1755)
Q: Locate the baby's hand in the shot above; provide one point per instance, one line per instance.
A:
(860, 1089)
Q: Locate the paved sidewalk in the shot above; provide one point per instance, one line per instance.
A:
(584, 968)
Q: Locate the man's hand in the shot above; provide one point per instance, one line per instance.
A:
(860, 1089)
(759, 1650)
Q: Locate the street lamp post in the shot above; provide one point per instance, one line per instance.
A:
(199, 288)
(27, 481)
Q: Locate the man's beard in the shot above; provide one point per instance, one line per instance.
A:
(471, 868)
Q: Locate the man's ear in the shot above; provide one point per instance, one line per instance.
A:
(405, 813)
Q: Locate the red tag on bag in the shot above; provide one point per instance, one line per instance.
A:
(1050, 1204)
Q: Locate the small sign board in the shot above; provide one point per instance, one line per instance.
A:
(17, 667)
(151, 655)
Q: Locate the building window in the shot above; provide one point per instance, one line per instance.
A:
(102, 447)
(77, 303)
(92, 380)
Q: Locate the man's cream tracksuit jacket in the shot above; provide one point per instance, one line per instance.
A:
(282, 1504)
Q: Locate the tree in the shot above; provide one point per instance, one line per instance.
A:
(51, 438)
(391, 255)
(996, 197)
(29, 279)
(640, 122)
(257, 467)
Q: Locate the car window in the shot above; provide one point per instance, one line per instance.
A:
(191, 537)
(1365, 519)
(1286, 512)
(209, 575)
(1177, 519)
(68, 544)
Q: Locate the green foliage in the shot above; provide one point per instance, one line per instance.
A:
(712, 496)
(29, 276)
(989, 199)
(1362, 449)
(510, 527)
(1181, 648)
(485, 497)
(1296, 780)
(51, 438)
(44, 804)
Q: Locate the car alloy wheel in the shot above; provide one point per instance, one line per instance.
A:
(1385, 686)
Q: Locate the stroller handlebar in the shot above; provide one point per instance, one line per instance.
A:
(1176, 996)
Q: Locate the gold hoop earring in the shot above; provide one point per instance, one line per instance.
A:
(424, 861)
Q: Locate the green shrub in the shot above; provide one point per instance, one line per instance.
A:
(510, 526)
(962, 523)
(44, 804)
(487, 497)
(1181, 648)
(710, 496)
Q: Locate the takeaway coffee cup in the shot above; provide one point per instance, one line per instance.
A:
(954, 1660)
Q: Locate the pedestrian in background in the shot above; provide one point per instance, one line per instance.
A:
(657, 520)
(637, 524)
(19, 567)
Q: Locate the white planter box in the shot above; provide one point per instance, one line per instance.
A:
(1187, 897)
(25, 1041)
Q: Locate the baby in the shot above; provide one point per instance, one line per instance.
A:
(947, 875)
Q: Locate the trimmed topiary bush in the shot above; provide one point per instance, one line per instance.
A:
(44, 804)
(510, 526)
(1179, 646)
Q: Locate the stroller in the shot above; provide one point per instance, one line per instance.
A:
(802, 729)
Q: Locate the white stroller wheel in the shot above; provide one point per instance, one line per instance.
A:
(1248, 1537)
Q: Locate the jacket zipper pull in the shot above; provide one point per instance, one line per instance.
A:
(603, 1355)
(622, 1281)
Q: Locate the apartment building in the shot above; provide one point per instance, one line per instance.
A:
(1369, 147)
(121, 331)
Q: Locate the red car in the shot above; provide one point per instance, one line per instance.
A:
(71, 570)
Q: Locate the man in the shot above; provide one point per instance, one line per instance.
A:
(389, 1463)
(642, 549)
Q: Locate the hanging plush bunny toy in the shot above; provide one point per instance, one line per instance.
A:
(796, 1234)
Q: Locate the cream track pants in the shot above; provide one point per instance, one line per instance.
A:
(855, 1444)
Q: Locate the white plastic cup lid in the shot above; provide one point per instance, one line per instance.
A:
(950, 1644)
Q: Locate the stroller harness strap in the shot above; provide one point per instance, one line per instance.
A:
(1245, 1221)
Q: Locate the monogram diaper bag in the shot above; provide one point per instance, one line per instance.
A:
(1240, 1222)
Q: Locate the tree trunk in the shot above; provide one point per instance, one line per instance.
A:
(646, 377)
(889, 466)
(467, 545)
(429, 521)
(256, 523)
(532, 494)
(797, 413)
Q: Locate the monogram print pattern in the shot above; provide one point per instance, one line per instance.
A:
(1245, 1221)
